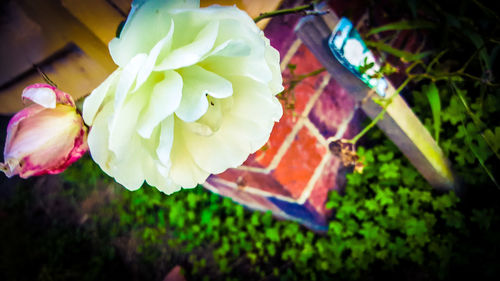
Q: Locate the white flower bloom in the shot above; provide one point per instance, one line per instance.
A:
(194, 94)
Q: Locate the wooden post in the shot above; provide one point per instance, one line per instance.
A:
(399, 123)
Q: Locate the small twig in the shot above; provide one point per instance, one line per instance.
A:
(375, 120)
(482, 80)
(476, 121)
(478, 157)
(297, 79)
(310, 74)
(304, 8)
(413, 65)
(476, 52)
(44, 76)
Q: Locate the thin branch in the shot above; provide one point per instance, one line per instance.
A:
(44, 76)
(375, 120)
(478, 157)
(310, 74)
(298, 9)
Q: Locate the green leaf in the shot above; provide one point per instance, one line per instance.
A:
(372, 205)
(407, 56)
(483, 218)
(418, 230)
(441, 203)
(254, 219)
(336, 227)
(392, 211)
(454, 112)
(481, 157)
(369, 231)
(389, 171)
(192, 199)
(385, 196)
(240, 211)
(432, 94)
(401, 25)
(299, 238)
(267, 218)
(493, 140)
(161, 218)
(206, 217)
(360, 214)
(385, 157)
(291, 230)
(346, 209)
(271, 250)
(272, 234)
(453, 219)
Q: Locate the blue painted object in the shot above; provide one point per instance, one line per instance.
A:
(350, 50)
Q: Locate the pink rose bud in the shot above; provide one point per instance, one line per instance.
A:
(46, 136)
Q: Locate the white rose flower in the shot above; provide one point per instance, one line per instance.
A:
(193, 95)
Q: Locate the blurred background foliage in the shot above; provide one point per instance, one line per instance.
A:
(389, 223)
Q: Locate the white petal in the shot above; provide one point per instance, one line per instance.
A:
(98, 139)
(232, 48)
(255, 68)
(162, 46)
(254, 133)
(216, 153)
(127, 169)
(166, 140)
(242, 37)
(244, 130)
(193, 104)
(194, 52)
(123, 124)
(221, 13)
(147, 23)
(93, 102)
(202, 80)
(165, 99)
(198, 83)
(273, 61)
(184, 171)
(43, 96)
(254, 101)
(127, 78)
(169, 188)
(230, 146)
(157, 175)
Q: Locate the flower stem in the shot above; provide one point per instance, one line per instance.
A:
(44, 76)
(375, 120)
(298, 9)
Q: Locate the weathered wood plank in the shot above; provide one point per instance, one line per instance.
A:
(400, 124)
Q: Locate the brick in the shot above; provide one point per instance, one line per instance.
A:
(326, 182)
(241, 196)
(299, 162)
(333, 111)
(281, 130)
(255, 180)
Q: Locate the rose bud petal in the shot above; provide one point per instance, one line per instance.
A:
(46, 136)
(194, 94)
